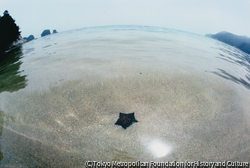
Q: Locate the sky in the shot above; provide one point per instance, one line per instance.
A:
(196, 16)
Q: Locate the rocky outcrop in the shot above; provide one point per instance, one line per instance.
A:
(54, 31)
(31, 37)
(45, 32)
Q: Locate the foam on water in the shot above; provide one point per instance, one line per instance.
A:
(189, 93)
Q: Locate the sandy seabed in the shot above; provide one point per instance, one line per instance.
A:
(196, 118)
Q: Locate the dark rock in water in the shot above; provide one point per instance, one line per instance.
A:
(45, 32)
(54, 31)
(31, 37)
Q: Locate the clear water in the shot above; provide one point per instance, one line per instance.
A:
(189, 93)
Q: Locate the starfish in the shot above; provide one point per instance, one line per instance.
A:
(125, 120)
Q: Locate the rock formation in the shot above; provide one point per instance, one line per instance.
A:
(45, 32)
(31, 37)
(54, 31)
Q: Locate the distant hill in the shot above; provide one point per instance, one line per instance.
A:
(240, 42)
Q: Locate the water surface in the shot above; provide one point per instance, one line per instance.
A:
(189, 93)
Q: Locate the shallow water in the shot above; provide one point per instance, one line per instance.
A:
(189, 93)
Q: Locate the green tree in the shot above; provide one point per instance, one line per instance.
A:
(9, 32)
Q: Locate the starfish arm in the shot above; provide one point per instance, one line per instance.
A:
(121, 115)
(118, 122)
(134, 120)
(132, 115)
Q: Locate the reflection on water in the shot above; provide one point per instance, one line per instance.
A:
(159, 149)
(10, 80)
(10, 75)
(230, 77)
(237, 57)
(47, 46)
(1, 131)
(235, 53)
